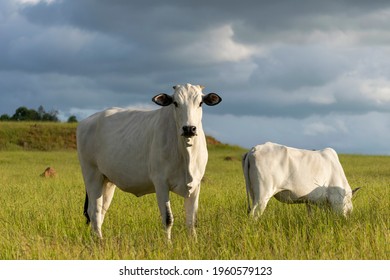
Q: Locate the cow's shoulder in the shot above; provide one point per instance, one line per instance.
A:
(111, 111)
(97, 117)
(262, 147)
(269, 148)
(268, 153)
(330, 154)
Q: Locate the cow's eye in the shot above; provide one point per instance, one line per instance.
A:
(175, 103)
(200, 104)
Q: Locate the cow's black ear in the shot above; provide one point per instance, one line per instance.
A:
(162, 99)
(212, 99)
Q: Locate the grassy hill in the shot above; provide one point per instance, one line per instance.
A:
(40, 136)
(44, 136)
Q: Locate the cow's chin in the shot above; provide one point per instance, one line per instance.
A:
(188, 141)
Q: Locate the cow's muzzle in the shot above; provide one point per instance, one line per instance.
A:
(189, 131)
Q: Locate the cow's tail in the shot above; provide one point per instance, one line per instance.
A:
(355, 190)
(86, 208)
(245, 168)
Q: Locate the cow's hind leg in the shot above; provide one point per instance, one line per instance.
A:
(259, 207)
(86, 208)
(94, 199)
(108, 193)
(261, 195)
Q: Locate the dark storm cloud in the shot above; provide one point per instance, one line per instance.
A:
(289, 46)
(261, 19)
(285, 63)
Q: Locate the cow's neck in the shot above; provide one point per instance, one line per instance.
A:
(190, 149)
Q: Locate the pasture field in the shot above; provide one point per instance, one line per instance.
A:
(41, 218)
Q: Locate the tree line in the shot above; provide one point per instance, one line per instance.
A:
(25, 114)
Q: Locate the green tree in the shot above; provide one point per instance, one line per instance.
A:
(50, 116)
(21, 114)
(25, 114)
(5, 117)
(72, 119)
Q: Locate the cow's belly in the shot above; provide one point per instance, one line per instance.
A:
(314, 195)
(301, 187)
(135, 181)
(137, 175)
(138, 181)
(136, 187)
(288, 197)
(138, 190)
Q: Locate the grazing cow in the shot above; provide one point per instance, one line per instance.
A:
(295, 176)
(144, 152)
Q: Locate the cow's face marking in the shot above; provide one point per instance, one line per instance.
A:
(187, 101)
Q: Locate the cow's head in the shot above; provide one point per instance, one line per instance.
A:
(187, 101)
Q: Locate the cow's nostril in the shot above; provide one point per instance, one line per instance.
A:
(189, 130)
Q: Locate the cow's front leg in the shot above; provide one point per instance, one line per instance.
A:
(191, 208)
(164, 206)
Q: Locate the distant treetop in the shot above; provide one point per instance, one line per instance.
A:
(72, 119)
(24, 114)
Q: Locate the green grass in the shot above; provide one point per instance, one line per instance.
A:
(42, 218)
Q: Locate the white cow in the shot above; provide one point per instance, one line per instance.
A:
(144, 152)
(295, 176)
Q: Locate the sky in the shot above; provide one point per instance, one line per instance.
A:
(307, 73)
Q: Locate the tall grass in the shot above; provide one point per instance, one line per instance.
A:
(42, 218)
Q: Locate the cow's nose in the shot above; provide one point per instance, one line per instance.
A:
(189, 131)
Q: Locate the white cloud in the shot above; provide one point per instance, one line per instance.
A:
(142, 106)
(377, 90)
(78, 112)
(320, 128)
(217, 45)
(33, 2)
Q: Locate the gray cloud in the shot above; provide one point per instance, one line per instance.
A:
(269, 60)
(366, 133)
